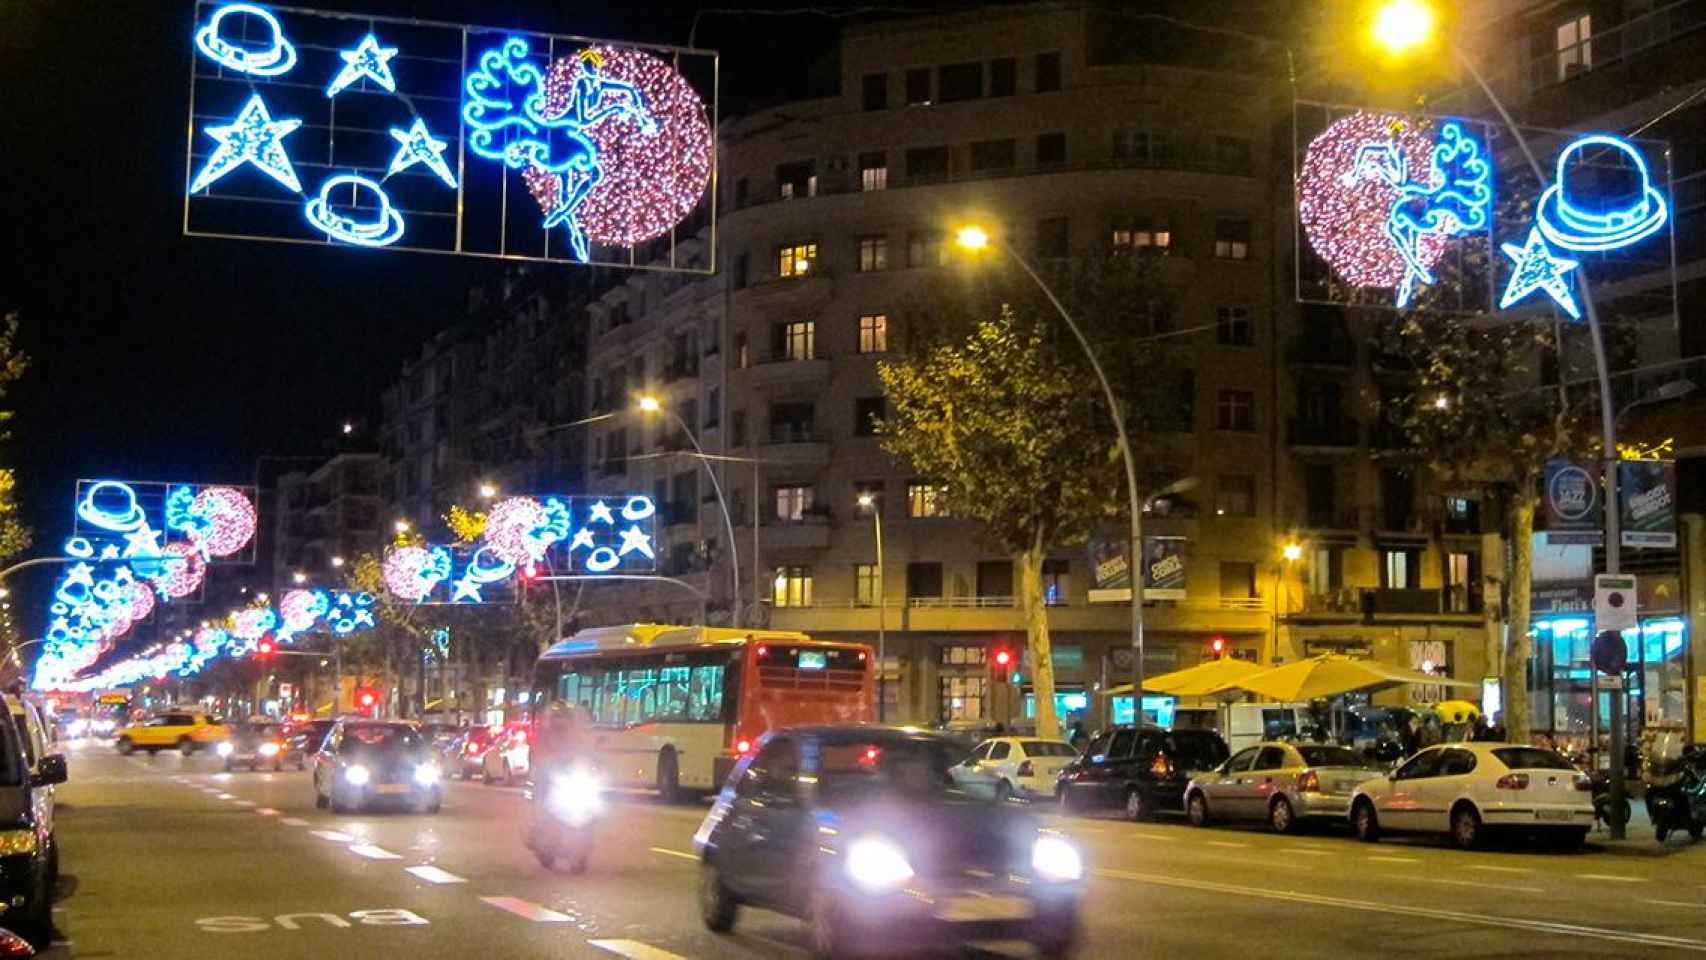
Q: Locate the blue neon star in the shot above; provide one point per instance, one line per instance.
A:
(254, 137)
(369, 60)
(635, 539)
(467, 588)
(1538, 268)
(417, 145)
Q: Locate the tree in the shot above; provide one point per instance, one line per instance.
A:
(15, 535)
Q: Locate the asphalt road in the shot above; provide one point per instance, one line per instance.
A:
(169, 857)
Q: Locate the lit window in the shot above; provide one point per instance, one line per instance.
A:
(796, 260)
(925, 500)
(1141, 235)
(792, 587)
(874, 333)
(873, 254)
(1575, 47)
(1232, 239)
(792, 503)
(1398, 569)
(864, 584)
(873, 172)
(799, 340)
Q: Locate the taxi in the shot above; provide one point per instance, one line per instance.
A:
(183, 730)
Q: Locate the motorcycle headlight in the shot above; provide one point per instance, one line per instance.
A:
(357, 775)
(1056, 859)
(426, 774)
(877, 865)
(575, 796)
(269, 749)
(224, 749)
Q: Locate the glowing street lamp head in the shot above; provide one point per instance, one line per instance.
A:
(650, 405)
(337, 561)
(299, 577)
(972, 237)
(1401, 25)
(349, 428)
(1292, 551)
(402, 526)
(866, 500)
(487, 491)
(1442, 402)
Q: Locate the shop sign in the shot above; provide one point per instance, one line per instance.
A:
(1560, 599)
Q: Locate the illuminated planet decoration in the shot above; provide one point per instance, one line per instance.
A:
(651, 181)
(252, 623)
(299, 609)
(411, 573)
(1344, 216)
(230, 517)
(181, 571)
(509, 528)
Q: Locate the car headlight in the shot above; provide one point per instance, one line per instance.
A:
(1056, 859)
(269, 749)
(877, 865)
(17, 842)
(575, 797)
(357, 775)
(224, 749)
(426, 774)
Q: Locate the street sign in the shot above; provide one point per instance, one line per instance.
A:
(1614, 602)
(1609, 683)
(1609, 653)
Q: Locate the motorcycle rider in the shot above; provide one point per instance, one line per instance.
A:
(562, 754)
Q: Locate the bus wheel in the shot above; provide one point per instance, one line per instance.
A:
(669, 776)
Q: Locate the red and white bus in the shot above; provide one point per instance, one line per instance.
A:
(674, 707)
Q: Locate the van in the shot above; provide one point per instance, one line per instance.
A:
(29, 851)
(1251, 723)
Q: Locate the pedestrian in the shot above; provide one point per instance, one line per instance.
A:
(1480, 731)
(1408, 737)
(1078, 738)
(1496, 732)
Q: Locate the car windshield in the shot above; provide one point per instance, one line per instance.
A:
(859, 772)
(1048, 748)
(1315, 755)
(1531, 758)
(382, 736)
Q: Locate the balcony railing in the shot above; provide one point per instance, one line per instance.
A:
(794, 433)
(960, 603)
(1312, 432)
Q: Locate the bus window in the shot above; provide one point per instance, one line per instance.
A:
(705, 699)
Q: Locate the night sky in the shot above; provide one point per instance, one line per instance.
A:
(160, 357)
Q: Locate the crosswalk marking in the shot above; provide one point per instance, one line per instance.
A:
(266, 811)
(372, 852)
(227, 796)
(527, 911)
(634, 950)
(244, 803)
(334, 836)
(433, 874)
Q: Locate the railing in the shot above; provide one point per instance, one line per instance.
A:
(1243, 603)
(960, 603)
(792, 358)
(792, 433)
(1609, 46)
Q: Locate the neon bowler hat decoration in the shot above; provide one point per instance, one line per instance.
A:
(276, 58)
(1577, 212)
(384, 229)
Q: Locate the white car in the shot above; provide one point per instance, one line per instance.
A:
(1004, 767)
(1466, 789)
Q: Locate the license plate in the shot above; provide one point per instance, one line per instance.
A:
(977, 909)
(1563, 815)
(392, 788)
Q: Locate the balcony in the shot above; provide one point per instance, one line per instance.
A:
(1377, 601)
(790, 370)
(794, 443)
(679, 370)
(1324, 433)
(1388, 437)
(1321, 350)
(1329, 517)
(807, 533)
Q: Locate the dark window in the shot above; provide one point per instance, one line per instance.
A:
(994, 154)
(737, 428)
(1003, 76)
(925, 249)
(1397, 498)
(1124, 740)
(1242, 760)
(1320, 484)
(1422, 765)
(1235, 496)
(1051, 148)
(1000, 750)
(1456, 763)
(1054, 237)
(1232, 239)
(741, 191)
(1048, 72)
(876, 91)
(918, 86)
(995, 578)
(866, 412)
(798, 179)
(959, 81)
(924, 580)
(1236, 410)
(1531, 758)
(1195, 749)
(927, 163)
(873, 254)
(1233, 327)
(1237, 579)
(738, 271)
(1325, 756)
(1232, 154)
(1271, 758)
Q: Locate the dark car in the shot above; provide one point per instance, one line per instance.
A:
(302, 740)
(29, 850)
(1140, 769)
(366, 763)
(470, 753)
(861, 832)
(253, 745)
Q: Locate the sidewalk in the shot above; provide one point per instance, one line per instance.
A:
(1638, 839)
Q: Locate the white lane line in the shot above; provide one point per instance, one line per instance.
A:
(526, 910)
(244, 803)
(1153, 836)
(1676, 903)
(372, 852)
(293, 821)
(634, 950)
(1466, 883)
(433, 874)
(334, 836)
(1610, 876)
(673, 853)
(1396, 859)
(1226, 843)
(266, 811)
(1370, 906)
(1306, 851)
(1493, 869)
(227, 796)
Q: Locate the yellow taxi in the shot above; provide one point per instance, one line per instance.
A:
(183, 730)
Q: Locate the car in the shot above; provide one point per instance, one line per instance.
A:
(366, 763)
(1140, 769)
(506, 757)
(253, 745)
(29, 846)
(302, 740)
(471, 753)
(182, 730)
(861, 831)
(1281, 783)
(1005, 767)
(1465, 790)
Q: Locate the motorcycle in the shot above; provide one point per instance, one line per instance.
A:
(566, 805)
(1601, 781)
(1676, 787)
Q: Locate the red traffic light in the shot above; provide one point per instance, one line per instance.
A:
(1217, 646)
(264, 647)
(1003, 657)
(367, 698)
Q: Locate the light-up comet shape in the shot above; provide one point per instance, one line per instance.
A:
(272, 60)
(548, 135)
(384, 229)
(369, 60)
(418, 145)
(1578, 212)
(254, 137)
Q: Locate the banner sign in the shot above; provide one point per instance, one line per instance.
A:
(1646, 490)
(1558, 599)
(1164, 565)
(1572, 503)
(330, 128)
(1110, 569)
(1163, 562)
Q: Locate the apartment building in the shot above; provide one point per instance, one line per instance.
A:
(326, 516)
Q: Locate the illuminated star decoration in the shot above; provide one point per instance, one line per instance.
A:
(600, 513)
(1537, 268)
(369, 60)
(417, 145)
(254, 137)
(634, 539)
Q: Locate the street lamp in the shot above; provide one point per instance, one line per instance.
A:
(488, 491)
(1403, 24)
(299, 577)
(337, 561)
(867, 501)
(651, 404)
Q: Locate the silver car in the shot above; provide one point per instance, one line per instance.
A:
(1281, 783)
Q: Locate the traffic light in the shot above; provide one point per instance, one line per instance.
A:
(1002, 659)
(366, 700)
(1216, 647)
(264, 648)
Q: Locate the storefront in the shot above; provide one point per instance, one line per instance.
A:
(1656, 681)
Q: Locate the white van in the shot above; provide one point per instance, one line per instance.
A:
(1252, 723)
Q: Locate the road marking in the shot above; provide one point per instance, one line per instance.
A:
(1610, 876)
(433, 874)
(293, 821)
(244, 803)
(1396, 859)
(1466, 883)
(1493, 869)
(372, 852)
(1369, 906)
(1226, 843)
(1665, 903)
(634, 950)
(334, 836)
(266, 811)
(1306, 851)
(673, 853)
(527, 911)
(227, 796)
(1153, 836)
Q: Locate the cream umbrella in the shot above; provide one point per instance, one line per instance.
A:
(1332, 674)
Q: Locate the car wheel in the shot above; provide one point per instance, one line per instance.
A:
(1465, 827)
(1003, 792)
(1694, 832)
(1136, 805)
(1364, 822)
(186, 746)
(1660, 833)
(669, 776)
(1280, 816)
(125, 747)
(718, 907)
(1196, 808)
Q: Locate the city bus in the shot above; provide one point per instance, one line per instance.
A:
(674, 707)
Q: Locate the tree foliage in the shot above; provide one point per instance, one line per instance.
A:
(15, 535)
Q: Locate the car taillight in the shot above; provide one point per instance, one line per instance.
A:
(471, 749)
(742, 747)
(1026, 770)
(1513, 781)
(1309, 782)
(1584, 782)
(1161, 766)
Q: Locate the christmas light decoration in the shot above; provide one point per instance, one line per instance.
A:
(602, 560)
(256, 138)
(368, 61)
(351, 612)
(253, 623)
(487, 566)
(182, 570)
(299, 610)
(600, 511)
(412, 573)
(1602, 198)
(637, 508)
(635, 540)
(418, 145)
(510, 525)
(219, 520)
(384, 229)
(1537, 268)
(277, 57)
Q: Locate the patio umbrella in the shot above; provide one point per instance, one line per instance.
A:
(1332, 674)
(1210, 676)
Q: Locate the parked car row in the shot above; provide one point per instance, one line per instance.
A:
(497, 754)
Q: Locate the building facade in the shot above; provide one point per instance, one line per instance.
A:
(326, 517)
